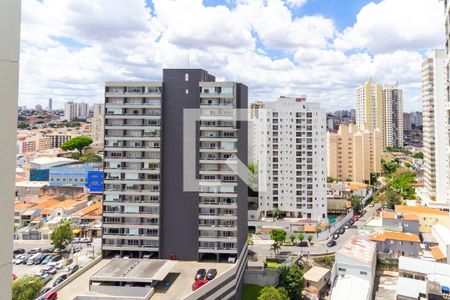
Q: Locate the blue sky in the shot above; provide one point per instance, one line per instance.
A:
(276, 47)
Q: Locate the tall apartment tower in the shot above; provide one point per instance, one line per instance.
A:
(9, 85)
(82, 110)
(369, 106)
(354, 154)
(98, 110)
(254, 115)
(146, 208)
(435, 131)
(50, 104)
(293, 158)
(70, 111)
(393, 116)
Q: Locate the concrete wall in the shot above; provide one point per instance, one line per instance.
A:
(9, 81)
(397, 247)
(262, 277)
(411, 226)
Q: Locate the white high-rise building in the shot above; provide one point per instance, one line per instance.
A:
(82, 110)
(393, 116)
(98, 110)
(254, 115)
(74, 110)
(435, 132)
(293, 158)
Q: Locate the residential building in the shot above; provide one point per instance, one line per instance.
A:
(98, 110)
(422, 279)
(407, 122)
(353, 154)
(427, 216)
(369, 107)
(30, 187)
(24, 146)
(98, 129)
(393, 116)
(441, 234)
(416, 119)
(402, 222)
(144, 162)
(293, 158)
(9, 74)
(73, 110)
(395, 244)
(254, 115)
(316, 281)
(435, 132)
(354, 270)
(59, 138)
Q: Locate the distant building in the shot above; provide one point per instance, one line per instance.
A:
(38, 107)
(393, 116)
(353, 154)
(74, 110)
(427, 216)
(57, 139)
(316, 281)
(293, 158)
(98, 110)
(407, 122)
(254, 115)
(441, 252)
(73, 175)
(50, 104)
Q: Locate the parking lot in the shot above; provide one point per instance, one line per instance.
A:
(83, 255)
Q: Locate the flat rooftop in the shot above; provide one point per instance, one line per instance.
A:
(315, 274)
(359, 249)
(134, 270)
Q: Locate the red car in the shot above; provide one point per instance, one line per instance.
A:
(198, 284)
(355, 218)
(379, 209)
(49, 296)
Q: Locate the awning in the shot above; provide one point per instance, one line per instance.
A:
(76, 231)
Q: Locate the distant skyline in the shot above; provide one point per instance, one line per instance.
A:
(321, 48)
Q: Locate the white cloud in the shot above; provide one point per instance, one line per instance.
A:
(396, 25)
(296, 3)
(128, 41)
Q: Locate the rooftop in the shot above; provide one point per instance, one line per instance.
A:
(435, 271)
(419, 210)
(359, 249)
(31, 184)
(442, 232)
(51, 160)
(350, 288)
(404, 216)
(315, 274)
(357, 186)
(437, 253)
(411, 287)
(394, 235)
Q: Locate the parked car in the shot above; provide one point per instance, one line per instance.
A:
(231, 259)
(47, 250)
(34, 251)
(44, 290)
(19, 251)
(355, 218)
(211, 274)
(302, 244)
(198, 284)
(347, 225)
(147, 256)
(72, 269)
(41, 259)
(85, 240)
(20, 260)
(49, 296)
(341, 230)
(371, 204)
(57, 265)
(47, 278)
(201, 273)
(76, 240)
(379, 209)
(335, 236)
(52, 271)
(60, 279)
(331, 243)
(351, 222)
(46, 269)
(38, 259)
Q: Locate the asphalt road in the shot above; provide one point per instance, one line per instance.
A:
(319, 247)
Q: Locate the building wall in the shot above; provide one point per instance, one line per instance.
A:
(435, 131)
(293, 158)
(353, 154)
(411, 226)
(9, 75)
(398, 248)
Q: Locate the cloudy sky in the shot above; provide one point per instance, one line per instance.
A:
(322, 48)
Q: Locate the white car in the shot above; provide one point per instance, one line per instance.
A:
(85, 240)
(232, 259)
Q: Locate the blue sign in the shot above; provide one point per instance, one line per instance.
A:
(95, 181)
(39, 175)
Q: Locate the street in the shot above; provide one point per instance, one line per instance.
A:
(263, 246)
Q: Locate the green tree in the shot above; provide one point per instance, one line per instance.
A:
(301, 237)
(389, 199)
(292, 238)
(77, 143)
(276, 213)
(331, 179)
(23, 125)
(292, 281)
(329, 261)
(27, 287)
(418, 155)
(310, 237)
(271, 293)
(278, 235)
(62, 235)
(390, 167)
(356, 201)
(90, 158)
(250, 239)
(275, 247)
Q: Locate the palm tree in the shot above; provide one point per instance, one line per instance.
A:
(301, 237)
(275, 247)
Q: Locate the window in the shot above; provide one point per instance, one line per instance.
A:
(342, 269)
(187, 91)
(362, 273)
(186, 77)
